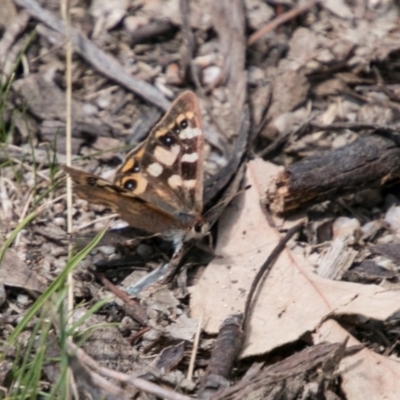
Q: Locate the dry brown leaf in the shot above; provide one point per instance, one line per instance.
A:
(366, 374)
(293, 300)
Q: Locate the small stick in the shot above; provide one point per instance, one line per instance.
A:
(287, 16)
(266, 268)
(139, 383)
(194, 350)
(133, 308)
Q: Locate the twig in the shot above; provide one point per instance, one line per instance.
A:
(280, 20)
(139, 383)
(266, 268)
(194, 350)
(103, 62)
(187, 50)
(133, 308)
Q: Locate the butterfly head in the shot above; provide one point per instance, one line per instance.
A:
(199, 229)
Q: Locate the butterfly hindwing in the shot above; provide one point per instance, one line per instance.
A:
(135, 211)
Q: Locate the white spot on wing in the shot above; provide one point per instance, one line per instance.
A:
(190, 157)
(190, 184)
(175, 181)
(189, 133)
(166, 157)
(155, 169)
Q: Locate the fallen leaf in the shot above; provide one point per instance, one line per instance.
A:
(292, 300)
(366, 374)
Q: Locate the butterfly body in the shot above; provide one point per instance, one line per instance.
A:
(159, 187)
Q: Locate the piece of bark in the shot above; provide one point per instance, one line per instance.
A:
(279, 378)
(170, 357)
(337, 260)
(369, 272)
(389, 250)
(226, 350)
(366, 163)
(149, 31)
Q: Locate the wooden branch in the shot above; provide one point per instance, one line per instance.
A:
(368, 162)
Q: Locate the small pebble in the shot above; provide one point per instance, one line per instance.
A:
(104, 100)
(344, 226)
(211, 75)
(132, 23)
(255, 75)
(172, 74)
(392, 217)
(89, 109)
(23, 300)
(60, 221)
(106, 250)
(206, 60)
(151, 335)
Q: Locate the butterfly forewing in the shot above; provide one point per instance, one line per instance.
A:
(170, 164)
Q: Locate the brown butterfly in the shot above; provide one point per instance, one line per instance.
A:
(159, 187)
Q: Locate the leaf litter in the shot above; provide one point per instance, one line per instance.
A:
(293, 299)
(319, 83)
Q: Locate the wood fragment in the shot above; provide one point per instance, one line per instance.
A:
(368, 162)
(152, 29)
(226, 349)
(170, 357)
(132, 307)
(389, 250)
(325, 355)
(187, 50)
(337, 260)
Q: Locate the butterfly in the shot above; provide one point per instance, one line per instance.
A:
(159, 187)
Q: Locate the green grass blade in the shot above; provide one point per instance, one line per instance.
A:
(57, 284)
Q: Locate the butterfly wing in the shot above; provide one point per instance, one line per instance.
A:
(167, 171)
(135, 211)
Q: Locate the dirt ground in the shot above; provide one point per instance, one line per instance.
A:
(283, 161)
